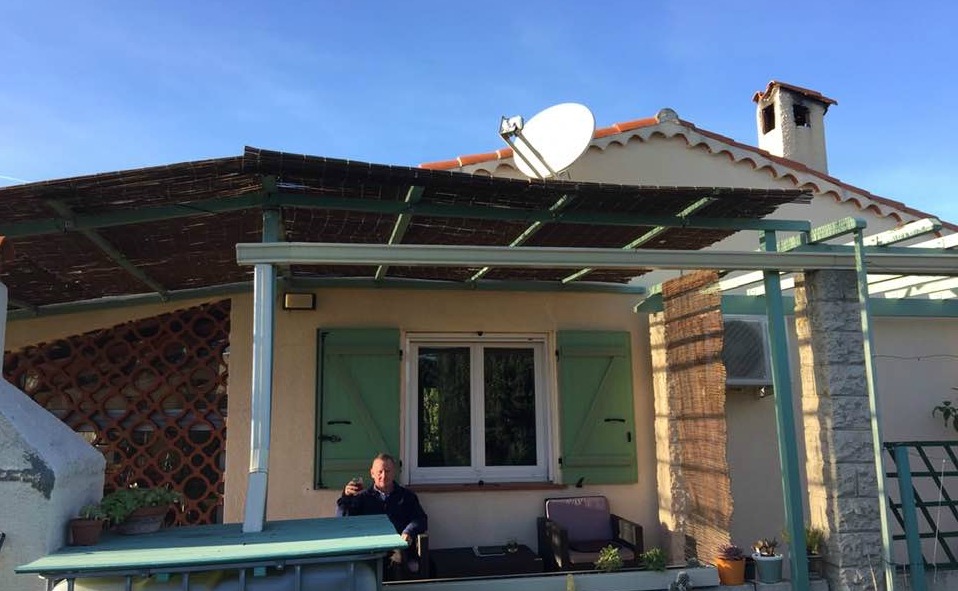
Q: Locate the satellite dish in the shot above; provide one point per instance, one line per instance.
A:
(551, 141)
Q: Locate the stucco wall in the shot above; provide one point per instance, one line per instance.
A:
(916, 369)
(456, 518)
(47, 472)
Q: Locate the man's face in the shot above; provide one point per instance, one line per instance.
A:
(383, 472)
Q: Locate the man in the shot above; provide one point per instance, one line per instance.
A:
(387, 497)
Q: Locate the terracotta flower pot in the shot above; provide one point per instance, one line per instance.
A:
(85, 532)
(144, 520)
(731, 572)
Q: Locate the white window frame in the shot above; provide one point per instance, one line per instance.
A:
(476, 342)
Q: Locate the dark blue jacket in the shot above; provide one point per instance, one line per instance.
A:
(401, 506)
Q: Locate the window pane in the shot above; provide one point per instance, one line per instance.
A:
(444, 432)
(510, 407)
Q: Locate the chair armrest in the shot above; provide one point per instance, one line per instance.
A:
(421, 550)
(628, 533)
(553, 544)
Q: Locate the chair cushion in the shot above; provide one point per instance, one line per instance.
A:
(584, 518)
(589, 545)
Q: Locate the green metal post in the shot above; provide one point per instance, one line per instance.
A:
(916, 563)
(861, 272)
(785, 419)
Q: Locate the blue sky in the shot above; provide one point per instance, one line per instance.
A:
(98, 86)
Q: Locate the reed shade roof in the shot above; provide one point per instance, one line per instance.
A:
(194, 245)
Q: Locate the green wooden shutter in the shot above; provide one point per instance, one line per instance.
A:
(597, 427)
(357, 402)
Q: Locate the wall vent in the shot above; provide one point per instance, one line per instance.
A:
(745, 351)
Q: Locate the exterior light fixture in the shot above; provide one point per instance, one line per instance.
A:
(299, 301)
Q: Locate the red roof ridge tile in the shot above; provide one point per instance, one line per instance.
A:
(794, 164)
(626, 126)
(813, 94)
(503, 153)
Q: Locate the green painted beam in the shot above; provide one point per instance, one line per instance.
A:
(111, 251)
(916, 562)
(259, 199)
(504, 214)
(142, 299)
(844, 249)
(894, 308)
(21, 304)
(785, 421)
(529, 232)
(871, 384)
(647, 236)
(649, 305)
(305, 253)
(413, 195)
(133, 216)
(906, 232)
(822, 233)
(487, 285)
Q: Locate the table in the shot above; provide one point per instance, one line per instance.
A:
(321, 546)
(465, 562)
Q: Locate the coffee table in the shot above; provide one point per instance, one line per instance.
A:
(465, 562)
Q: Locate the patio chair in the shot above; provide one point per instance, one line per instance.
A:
(575, 529)
(417, 554)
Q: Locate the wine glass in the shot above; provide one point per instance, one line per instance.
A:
(512, 545)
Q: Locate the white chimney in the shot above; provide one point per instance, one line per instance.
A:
(791, 123)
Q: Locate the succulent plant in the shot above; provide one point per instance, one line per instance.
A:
(731, 552)
(766, 547)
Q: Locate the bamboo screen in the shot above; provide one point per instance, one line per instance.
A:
(696, 410)
(150, 394)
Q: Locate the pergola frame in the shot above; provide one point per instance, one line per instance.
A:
(806, 252)
(271, 185)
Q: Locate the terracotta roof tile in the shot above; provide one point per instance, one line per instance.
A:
(627, 126)
(504, 153)
(440, 165)
(812, 94)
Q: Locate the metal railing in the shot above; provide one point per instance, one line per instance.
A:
(924, 508)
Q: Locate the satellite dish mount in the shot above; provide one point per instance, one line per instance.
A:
(551, 141)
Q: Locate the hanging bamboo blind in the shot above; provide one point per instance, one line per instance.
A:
(696, 409)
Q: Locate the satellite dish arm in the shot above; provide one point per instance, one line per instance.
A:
(512, 127)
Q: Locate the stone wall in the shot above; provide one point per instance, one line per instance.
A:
(842, 485)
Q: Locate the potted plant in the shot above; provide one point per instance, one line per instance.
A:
(85, 529)
(609, 559)
(136, 510)
(768, 564)
(654, 559)
(730, 563)
(814, 546)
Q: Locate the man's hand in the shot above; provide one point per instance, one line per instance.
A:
(407, 538)
(353, 487)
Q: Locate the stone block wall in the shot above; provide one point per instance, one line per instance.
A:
(842, 483)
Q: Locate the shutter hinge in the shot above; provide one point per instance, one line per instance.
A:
(400, 353)
(557, 353)
(560, 460)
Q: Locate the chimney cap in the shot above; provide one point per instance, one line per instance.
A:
(806, 92)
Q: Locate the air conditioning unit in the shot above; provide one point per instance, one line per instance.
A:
(745, 352)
